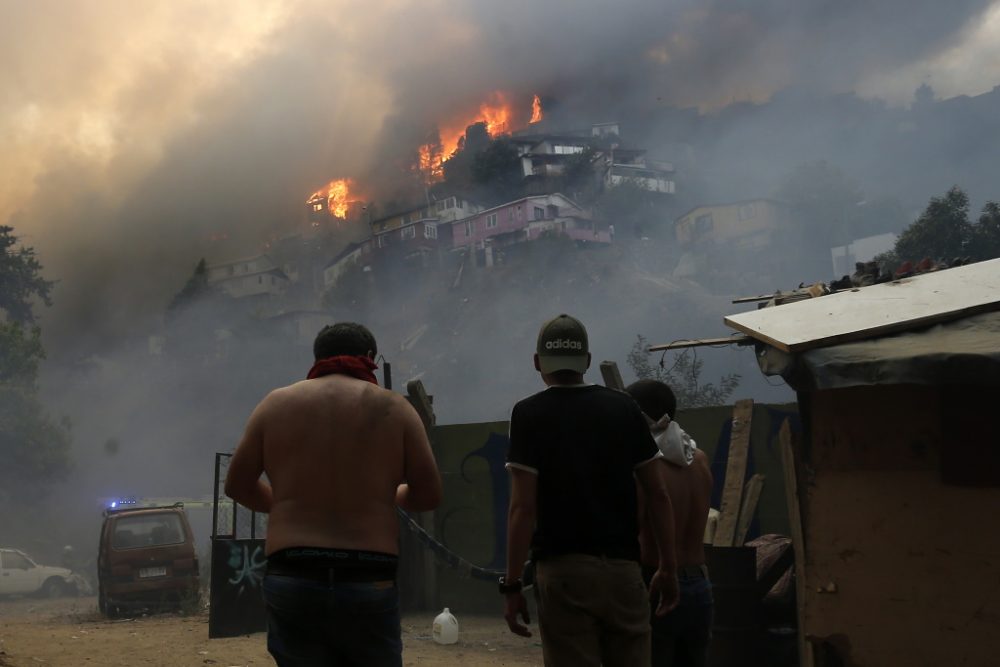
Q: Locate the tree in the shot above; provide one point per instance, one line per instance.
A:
(683, 377)
(497, 171)
(943, 230)
(34, 449)
(195, 288)
(20, 279)
(986, 233)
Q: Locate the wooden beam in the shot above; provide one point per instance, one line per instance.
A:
(798, 539)
(700, 342)
(770, 577)
(736, 469)
(421, 402)
(612, 378)
(751, 498)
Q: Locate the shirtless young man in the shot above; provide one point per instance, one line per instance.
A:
(680, 639)
(340, 454)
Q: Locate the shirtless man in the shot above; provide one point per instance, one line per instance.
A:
(340, 454)
(680, 639)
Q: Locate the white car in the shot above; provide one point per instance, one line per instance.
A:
(19, 575)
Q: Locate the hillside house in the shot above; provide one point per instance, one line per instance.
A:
(420, 231)
(353, 255)
(895, 483)
(251, 277)
(527, 219)
(749, 224)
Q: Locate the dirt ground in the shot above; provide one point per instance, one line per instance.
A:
(70, 632)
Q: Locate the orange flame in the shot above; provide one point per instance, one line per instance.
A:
(495, 112)
(337, 195)
(536, 110)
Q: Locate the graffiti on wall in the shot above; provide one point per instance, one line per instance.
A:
(236, 603)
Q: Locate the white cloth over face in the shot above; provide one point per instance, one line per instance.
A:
(675, 445)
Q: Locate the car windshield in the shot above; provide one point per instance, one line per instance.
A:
(147, 530)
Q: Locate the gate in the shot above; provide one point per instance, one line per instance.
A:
(238, 564)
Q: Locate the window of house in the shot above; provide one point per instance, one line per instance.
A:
(430, 231)
(408, 233)
(703, 224)
(260, 280)
(405, 219)
(383, 240)
(440, 206)
(510, 214)
(491, 220)
(519, 211)
(746, 212)
(470, 227)
(317, 207)
(539, 213)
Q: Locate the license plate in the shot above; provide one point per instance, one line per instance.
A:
(152, 572)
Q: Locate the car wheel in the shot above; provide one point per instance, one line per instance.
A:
(53, 588)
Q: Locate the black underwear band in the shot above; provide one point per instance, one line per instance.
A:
(330, 565)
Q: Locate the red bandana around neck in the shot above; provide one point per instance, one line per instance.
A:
(356, 366)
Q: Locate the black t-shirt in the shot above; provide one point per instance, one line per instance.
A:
(583, 442)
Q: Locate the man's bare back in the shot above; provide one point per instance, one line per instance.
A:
(690, 490)
(340, 454)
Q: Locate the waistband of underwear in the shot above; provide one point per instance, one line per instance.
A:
(683, 572)
(325, 564)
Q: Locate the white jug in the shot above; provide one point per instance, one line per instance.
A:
(445, 630)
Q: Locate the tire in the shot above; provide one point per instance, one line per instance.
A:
(53, 588)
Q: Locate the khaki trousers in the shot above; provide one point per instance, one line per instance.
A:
(592, 611)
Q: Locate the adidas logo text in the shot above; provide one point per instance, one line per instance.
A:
(563, 344)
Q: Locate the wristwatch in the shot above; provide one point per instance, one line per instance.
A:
(508, 587)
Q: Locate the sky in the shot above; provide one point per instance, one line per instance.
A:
(131, 133)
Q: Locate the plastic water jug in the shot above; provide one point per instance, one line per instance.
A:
(445, 629)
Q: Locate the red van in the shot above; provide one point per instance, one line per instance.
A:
(146, 560)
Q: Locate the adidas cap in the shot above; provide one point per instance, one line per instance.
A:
(562, 345)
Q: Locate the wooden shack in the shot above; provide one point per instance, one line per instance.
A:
(896, 480)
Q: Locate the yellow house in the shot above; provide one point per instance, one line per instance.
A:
(749, 223)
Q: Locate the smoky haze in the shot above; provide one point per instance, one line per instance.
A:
(152, 138)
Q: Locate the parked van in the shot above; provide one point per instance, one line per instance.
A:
(146, 559)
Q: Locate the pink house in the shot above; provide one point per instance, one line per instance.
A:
(525, 220)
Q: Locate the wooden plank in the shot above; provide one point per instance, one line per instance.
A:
(877, 310)
(768, 578)
(751, 497)
(736, 469)
(798, 538)
(699, 342)
(422, 404)
(612, 378)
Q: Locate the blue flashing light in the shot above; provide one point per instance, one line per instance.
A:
(114, 504)
(120, 502)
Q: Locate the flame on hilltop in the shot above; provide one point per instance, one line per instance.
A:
(536, 110)
(337, 195)
(496, 112)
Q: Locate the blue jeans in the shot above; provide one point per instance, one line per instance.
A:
(312, 623)
(680, 639)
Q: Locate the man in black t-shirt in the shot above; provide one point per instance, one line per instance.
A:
(575, 453)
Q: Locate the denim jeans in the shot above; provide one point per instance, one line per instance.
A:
(680, 639)
(312, 623)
